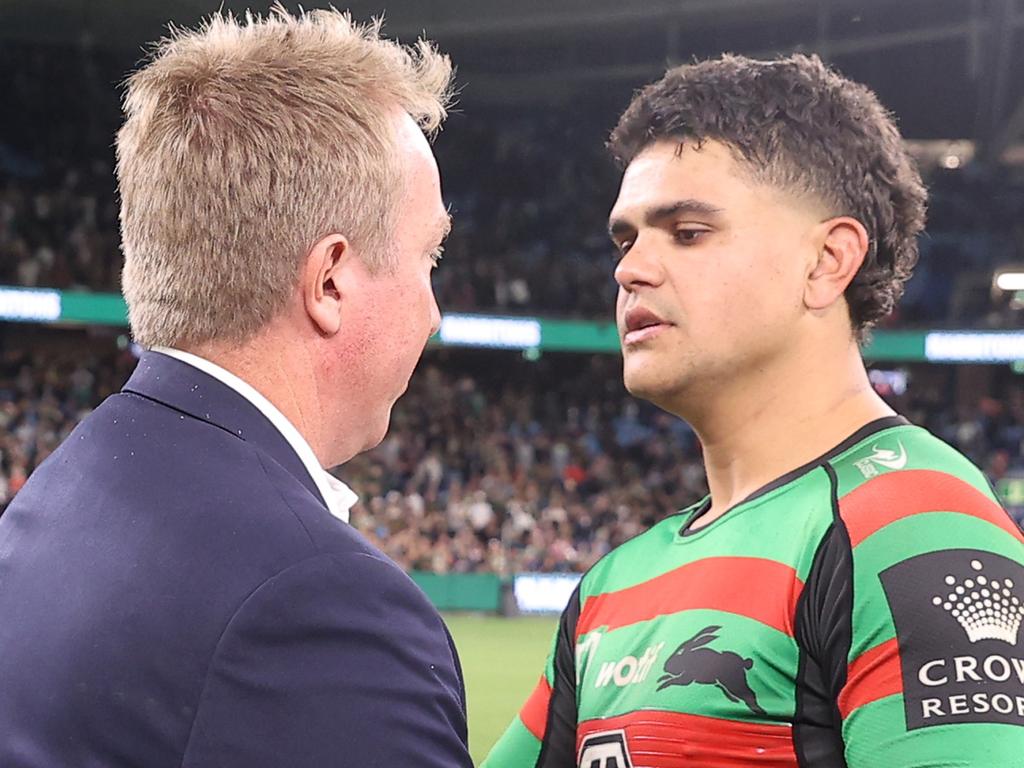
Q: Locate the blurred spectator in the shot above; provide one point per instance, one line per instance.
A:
(60, 231)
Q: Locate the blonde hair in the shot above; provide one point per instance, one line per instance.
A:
(245, 141)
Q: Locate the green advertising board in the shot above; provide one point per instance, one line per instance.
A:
(534, 334)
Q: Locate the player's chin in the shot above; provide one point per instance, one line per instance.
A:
(640, 380)
(647, 381)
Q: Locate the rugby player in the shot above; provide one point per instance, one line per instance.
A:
(850, 592)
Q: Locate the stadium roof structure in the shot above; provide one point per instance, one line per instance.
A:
(949, 68)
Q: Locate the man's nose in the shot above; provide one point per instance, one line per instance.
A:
(435, 315)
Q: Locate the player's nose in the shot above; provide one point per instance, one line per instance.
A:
(639, 266)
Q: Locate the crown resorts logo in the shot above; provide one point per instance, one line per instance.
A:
(986, 608)
(960, 651)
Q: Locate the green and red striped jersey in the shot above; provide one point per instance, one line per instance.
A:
(862, 611)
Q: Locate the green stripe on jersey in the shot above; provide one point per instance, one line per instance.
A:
(639, 667)
(784, 525)
(875, 737)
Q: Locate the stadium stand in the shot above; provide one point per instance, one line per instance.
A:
(550, 464)
(542, 467)
(536, 242)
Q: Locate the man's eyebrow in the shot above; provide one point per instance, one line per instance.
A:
(655, 216)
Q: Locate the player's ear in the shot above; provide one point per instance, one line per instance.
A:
(322, 285)
(842, 245)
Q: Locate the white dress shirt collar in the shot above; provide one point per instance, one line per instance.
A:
(339, 497)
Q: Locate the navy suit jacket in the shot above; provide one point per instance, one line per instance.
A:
(175, 594)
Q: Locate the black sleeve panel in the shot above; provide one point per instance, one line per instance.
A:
(559, 747)
(824, 633)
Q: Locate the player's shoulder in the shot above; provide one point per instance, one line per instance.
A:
(903, 475)
(935, 567)
(903, 454)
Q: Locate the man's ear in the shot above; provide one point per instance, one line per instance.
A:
(322, 284)
(842, 246)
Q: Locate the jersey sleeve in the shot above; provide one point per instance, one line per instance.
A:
(543, 734)
(933, 671)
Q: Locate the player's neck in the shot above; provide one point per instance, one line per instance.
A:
(758, 430)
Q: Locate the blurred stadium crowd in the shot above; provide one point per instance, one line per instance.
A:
(529, 190)
(495, 463)
(540, 466)
(531, 242)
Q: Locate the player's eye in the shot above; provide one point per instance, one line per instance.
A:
(689, 235)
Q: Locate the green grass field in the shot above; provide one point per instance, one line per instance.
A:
(501, 659)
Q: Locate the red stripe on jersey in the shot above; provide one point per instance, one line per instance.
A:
(764, 590)
(891, 497)
(660, 739)
(873, 675)
(534, 713)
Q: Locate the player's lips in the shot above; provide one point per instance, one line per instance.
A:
(642, 324)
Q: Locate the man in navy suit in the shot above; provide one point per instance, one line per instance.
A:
(178, 582)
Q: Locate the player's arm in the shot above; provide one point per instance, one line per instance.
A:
(934, 672)
(338, 660)
(543, 734)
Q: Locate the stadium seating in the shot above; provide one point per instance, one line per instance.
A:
(544, 468)
(549, 466)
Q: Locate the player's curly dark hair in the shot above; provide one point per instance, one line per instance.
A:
(799, 126)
